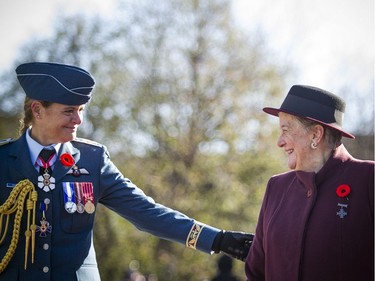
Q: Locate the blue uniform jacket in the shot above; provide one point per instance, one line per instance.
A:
(67, 253)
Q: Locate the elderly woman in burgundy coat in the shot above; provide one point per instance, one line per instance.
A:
(316, 222)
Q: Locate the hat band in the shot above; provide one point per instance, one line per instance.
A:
(312, 109)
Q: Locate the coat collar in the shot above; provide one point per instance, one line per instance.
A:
(338, 157)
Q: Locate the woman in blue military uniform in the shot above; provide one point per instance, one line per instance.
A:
(51, 182)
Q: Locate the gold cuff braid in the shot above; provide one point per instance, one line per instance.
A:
(16, 203)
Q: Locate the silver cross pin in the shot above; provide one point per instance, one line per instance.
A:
(342, 213)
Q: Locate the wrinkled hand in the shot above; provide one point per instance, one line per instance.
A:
(233, 243)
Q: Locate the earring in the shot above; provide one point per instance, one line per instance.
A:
(314, 145)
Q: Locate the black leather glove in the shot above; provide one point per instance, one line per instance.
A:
(233, 243)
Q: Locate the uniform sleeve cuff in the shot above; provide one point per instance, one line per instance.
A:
(201, 237)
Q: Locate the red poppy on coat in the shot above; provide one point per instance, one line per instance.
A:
(343, 190)
(67, 159)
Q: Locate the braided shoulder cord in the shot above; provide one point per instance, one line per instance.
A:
(16, 203)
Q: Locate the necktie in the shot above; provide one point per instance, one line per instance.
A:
(45, 159)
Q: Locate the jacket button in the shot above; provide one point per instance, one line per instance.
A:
(45, 269)
(45, 246)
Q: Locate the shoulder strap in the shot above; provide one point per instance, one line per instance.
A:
(87, 141)
(6, 141)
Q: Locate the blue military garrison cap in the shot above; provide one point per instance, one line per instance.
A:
(53, 82)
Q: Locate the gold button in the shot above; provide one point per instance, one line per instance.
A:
(45, 269)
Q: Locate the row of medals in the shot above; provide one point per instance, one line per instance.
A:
(71, 207)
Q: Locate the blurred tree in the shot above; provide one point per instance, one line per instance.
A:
(192, 107)
(178, 98)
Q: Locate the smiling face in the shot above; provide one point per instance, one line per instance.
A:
(295, 139)
(56, 123)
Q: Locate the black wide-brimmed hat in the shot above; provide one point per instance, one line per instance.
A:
(53, 82)
(314, 104)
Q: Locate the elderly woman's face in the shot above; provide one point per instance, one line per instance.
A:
(296, 141)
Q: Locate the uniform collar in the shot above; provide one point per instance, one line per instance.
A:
(35, 148)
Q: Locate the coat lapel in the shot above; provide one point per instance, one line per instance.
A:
(60, 170)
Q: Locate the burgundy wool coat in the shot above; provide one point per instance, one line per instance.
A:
(306, 232)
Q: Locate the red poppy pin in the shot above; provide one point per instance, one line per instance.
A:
(67, 159)
(343, 190)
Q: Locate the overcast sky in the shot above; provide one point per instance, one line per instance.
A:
(330, 42)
